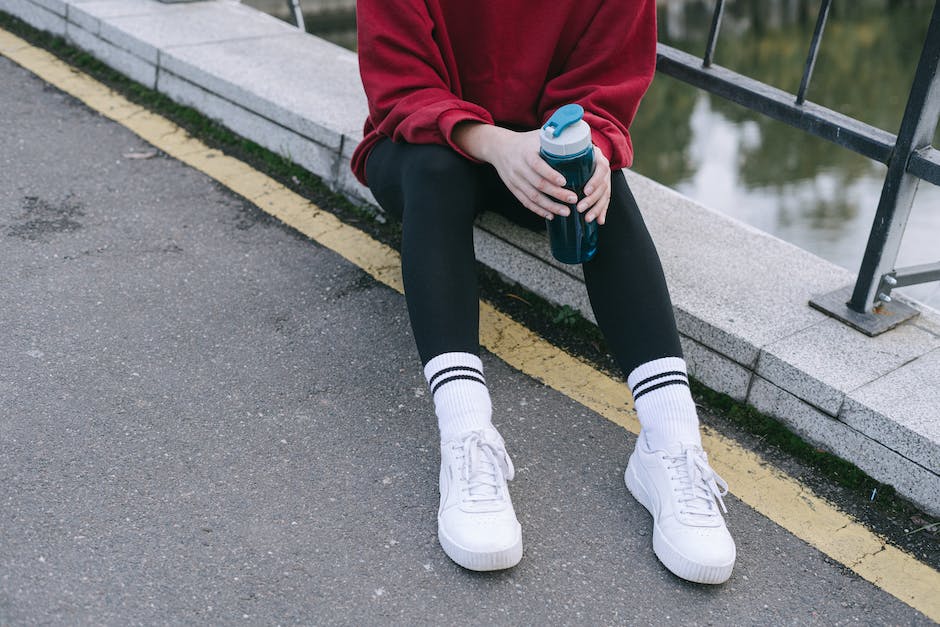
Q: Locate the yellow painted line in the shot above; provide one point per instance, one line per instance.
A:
(777, 496)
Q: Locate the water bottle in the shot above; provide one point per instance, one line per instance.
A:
(566, 146)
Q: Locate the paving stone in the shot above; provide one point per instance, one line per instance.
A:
(35, 15)
(317, 159)
(128, 64)
(902, 410)
(723, 342)
(744, 288)
(518, 266)
(304, 83)
(814, 426)
(89, 14)
(534, 243)
(880, 462)
(716, 371)
(188, 24)
(346, 182)
(827, 360)
(59, 7)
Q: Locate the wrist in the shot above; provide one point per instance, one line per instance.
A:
(477, 139)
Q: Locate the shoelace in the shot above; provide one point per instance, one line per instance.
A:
(700, 486)
(483, 459)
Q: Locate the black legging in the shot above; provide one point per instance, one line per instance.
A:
(437, 194)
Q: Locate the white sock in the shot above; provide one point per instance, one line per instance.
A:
(461, 398)
(664, 403)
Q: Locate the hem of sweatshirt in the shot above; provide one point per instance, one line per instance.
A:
(446, 122)
(620, 156)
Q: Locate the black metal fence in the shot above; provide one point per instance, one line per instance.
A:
(868, 305)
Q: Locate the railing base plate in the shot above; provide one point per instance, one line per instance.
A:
(883, 318)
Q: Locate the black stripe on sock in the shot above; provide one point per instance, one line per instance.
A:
(671, 373)
(451, 369)
(455, 378)
(660, 385)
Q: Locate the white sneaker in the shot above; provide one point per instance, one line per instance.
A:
(476, 523)
(682, 492)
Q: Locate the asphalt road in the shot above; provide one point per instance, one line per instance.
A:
(205, 418)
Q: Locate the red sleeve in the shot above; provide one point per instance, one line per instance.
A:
(608, 73)
(406, 79)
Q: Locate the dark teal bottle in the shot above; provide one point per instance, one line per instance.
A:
(566, 146)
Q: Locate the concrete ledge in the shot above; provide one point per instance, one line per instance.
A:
(36, 14)
(740, 295)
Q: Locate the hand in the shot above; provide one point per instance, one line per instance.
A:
(516, 158)
(597, 190)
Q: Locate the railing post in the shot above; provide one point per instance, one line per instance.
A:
(813, 51)
(713, 33)
(294, 7)
(897, 195)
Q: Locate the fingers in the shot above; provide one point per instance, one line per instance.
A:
(533, 199)
(547, 180)
(596, 203)
(538, 187)
(546, 172)
(534, 183)
(597, 191)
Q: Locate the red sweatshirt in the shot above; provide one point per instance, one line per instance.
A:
(428, 64)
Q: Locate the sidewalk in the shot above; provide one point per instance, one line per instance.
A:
(740, 295)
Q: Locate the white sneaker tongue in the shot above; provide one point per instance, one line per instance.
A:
(702, 492)
(483, 473)
(482, 487)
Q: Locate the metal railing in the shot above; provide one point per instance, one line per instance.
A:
(868, 305)
(294, 10)
(297, 12)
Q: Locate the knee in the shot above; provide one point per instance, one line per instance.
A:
(431, 164)
(623, 211)
(437, 178)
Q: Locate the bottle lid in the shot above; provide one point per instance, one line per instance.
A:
(566, 133)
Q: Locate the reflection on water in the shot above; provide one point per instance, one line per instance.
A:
(804, 190)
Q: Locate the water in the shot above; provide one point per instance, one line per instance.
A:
(804, 190)
(801, 189)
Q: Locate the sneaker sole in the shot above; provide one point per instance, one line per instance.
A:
(481, 561)
(673, 559)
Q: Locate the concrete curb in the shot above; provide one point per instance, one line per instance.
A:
(740, 295)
